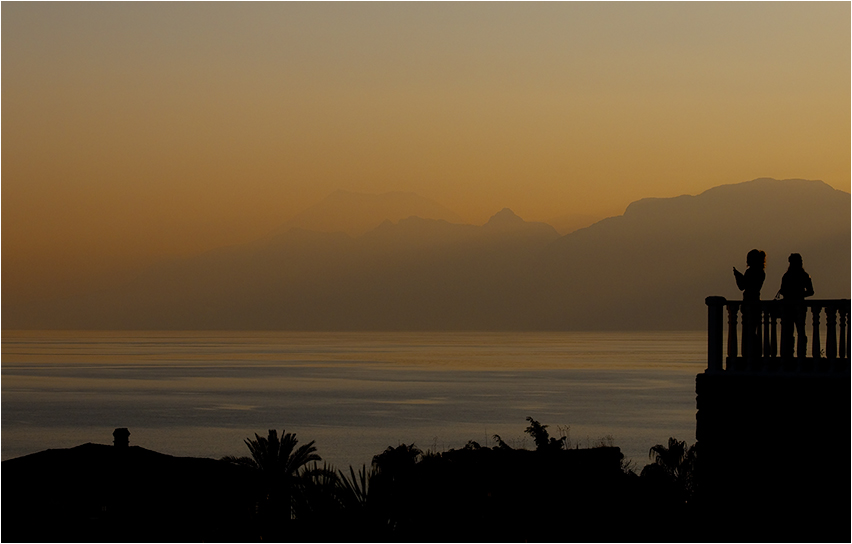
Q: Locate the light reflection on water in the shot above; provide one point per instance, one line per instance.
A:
(202, 393)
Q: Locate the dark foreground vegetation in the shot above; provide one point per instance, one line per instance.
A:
(281, 492)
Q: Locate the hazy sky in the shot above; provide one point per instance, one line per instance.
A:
(135, 130)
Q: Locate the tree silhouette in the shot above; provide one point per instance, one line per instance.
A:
(543, 441)
(279, 463)
(671, 458)
(277, 458)
(316, 501)
(500, 443)
(356, 487)
(392, 483)
(674, 462)
(398, 461)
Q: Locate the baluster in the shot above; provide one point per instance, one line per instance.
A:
(746, 332)
(799, 317)
(787, 328)
(757, 338)
(751, 337)
(767, 341)
(844, 343)
(715, 330)
(815, 341)
(830, 332)
(847, 320)
(732, 331)
(773, 342)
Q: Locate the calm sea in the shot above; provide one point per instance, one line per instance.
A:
(202, 393)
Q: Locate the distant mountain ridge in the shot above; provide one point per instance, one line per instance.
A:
(358, 213)
(649, 268)
(661, 252)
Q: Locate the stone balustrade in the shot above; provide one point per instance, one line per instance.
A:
(778, 336)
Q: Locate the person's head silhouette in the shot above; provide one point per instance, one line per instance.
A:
(795, 260)
(756, 259)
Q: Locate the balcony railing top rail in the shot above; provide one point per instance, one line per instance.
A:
(753, 342)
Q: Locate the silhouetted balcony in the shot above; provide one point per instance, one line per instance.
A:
(765, 393)
(764, 337)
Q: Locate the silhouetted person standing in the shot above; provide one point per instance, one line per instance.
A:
(795, 286)
(750, 284)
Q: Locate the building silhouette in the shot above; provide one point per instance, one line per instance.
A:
(773, 428)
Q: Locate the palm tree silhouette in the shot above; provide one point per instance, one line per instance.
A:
(356, 487)
(367, 506)
(316, 501)
(677, 462)
(277, 458)
(671, 458)
(280, 464)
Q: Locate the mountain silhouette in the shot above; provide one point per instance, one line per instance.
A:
(649, 268)
(640, 268)
(358, 213)
(505, 221)
(568, 223)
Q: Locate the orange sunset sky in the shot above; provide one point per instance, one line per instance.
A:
(134, 131)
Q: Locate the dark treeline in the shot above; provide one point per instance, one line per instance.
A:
(476, 493)
(282, 491)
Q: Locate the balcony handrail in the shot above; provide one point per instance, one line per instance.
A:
(754, 343)
(807, 302)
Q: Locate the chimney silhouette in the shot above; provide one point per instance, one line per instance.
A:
(121, 438)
